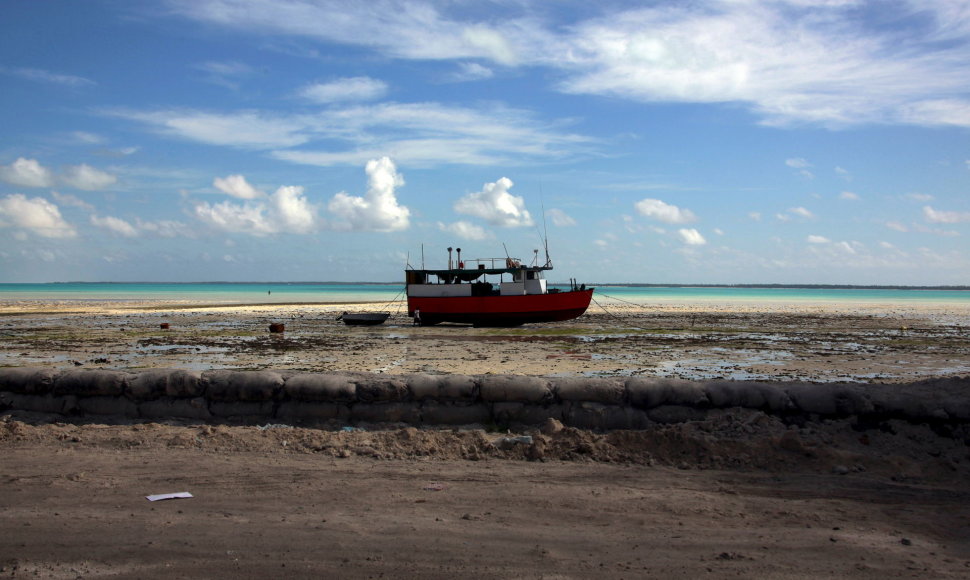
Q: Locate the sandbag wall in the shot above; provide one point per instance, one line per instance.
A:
(351, 398)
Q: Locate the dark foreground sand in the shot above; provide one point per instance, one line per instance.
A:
(738, 495)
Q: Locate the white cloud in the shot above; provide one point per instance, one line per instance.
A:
(426, 134)
(945, 217)
(755, 216)
(71, 200)
(801, 165)
(379, 209)
(496, 205)
(813, 239)
(899, 227)
(116, 225)
(560, 218)
(465, 230)
(27, 173)
(346, 89)
(830, 62)
(471, 71)
(802, 212)
(292, 210)
(225, 73)
(790, 61)
(666, 213)
(410, 30)
(285, 211)
(691, 237)
(44, 76)
(87, 178)
(848, 195)
(237, 186)
(920, 197)
(247, 218)
(166, 229)
(34, 214)
(244, 129)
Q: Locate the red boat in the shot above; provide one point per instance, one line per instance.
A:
(462, 294)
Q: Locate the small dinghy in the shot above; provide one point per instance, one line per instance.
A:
(364, 318)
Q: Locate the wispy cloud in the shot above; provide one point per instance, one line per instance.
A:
(789, 61)
(45, 76)
(346, 89)
(436, 134)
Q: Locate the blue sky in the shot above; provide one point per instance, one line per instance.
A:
(714, 141)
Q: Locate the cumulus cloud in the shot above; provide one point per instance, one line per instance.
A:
(802, 212)
(496, 205)
(378, 210)
(346, 89)
(30, 173)
(945, 217)
(560, 218)
(285, 211)
(236, 186)
(115, 225)
(36, 215)
(664, 212)
(87, 178)
(464, 230)
(814, 239)
(691, 237)
(27, 173)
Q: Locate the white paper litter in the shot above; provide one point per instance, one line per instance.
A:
(177, 495)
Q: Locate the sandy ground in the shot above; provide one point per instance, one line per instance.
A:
(738, 495)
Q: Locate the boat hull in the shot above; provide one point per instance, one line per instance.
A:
(500, 310)
(364, 318)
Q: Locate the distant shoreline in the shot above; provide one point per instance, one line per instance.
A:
(767, 286)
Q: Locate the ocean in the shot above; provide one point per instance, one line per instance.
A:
(302, 292)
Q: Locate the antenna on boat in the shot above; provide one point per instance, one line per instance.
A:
(545, 230)
(422, 257)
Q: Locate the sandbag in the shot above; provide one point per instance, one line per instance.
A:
(392, 412)
(194, 408)
(229, 386)
(333, 388)
(381, 389)
(435, 413)
(155, 383)
(596, 390)
(442, 387)
(107, 406)
(258, 411)
(750, 395)
(27, 380)
(589, 415)
(647, 393)
(514, 389)
(91, 383)
(314, 411)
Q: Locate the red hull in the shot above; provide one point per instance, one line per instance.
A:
(501, 310)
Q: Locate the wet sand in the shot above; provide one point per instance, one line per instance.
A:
(739, 494)
(813, 342)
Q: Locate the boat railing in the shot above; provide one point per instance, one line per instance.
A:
(489, 263)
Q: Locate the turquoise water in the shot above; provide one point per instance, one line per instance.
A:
(252, 293)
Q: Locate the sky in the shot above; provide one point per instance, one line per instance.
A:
(701, 142)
